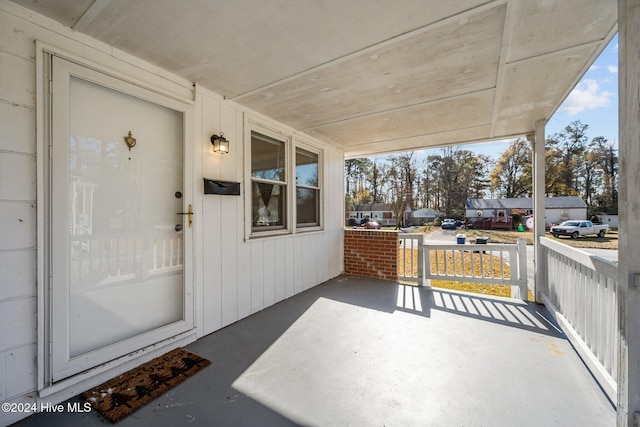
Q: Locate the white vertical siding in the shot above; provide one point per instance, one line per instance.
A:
(289, 271)
(279, 272)
(212, 262)
(257, 276)
(234, 277)
(212, 220)
(228, 265)
(230, 167)
(242, 276)
(244, 281)
(298, 267)
(269, 273)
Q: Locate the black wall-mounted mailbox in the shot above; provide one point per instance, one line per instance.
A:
(221, 187)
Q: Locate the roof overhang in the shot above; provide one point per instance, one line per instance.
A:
(369, 77)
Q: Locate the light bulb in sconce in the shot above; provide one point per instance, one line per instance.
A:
(220, 143)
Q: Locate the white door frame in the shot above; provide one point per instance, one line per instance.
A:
(152, 342)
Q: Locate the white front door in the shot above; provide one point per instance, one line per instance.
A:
(120, 258)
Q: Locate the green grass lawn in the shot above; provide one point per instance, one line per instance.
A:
(609, 241)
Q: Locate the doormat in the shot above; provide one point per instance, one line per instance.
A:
(127, 393)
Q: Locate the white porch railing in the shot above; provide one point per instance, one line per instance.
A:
(410, 266)
(500, 264)
(582, 293)
(459, 263)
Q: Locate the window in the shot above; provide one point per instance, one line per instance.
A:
(307, 189)
(283, 183)
(268, 183)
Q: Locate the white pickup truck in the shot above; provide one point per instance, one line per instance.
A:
(575, 228)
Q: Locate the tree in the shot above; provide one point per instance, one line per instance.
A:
(568, 148)
(377, 181)
(480, 183)
(349, 169)
(357, 173)
(452, 176)
(362, 196)
(604, 155)
(591, 177)
(511, 176)
(553, 168)
(474, 169)
(396, 191)
(348, 203)
(406, 162)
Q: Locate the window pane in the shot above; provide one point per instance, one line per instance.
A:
(306, 168)
(267, 157)
(307, 206)
(268, 205)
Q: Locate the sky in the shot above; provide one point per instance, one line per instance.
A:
(594, 101)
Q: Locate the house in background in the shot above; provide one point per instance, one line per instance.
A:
(383, 214)
(609, 218)
(380, 212)
(498, 213)
(423, 216)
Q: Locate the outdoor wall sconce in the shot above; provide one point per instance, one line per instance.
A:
(220, 143)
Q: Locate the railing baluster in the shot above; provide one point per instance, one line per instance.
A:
(446, 268)
(463, 263)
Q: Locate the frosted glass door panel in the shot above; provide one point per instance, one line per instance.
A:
(125, 254)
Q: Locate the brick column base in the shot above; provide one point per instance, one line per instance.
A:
(371, 253)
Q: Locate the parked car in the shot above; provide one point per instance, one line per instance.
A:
(575, 228)
(372, 225)
(449, 224)
(352, 222)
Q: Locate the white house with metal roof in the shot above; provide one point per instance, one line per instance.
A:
(557, 209)
(380, 212)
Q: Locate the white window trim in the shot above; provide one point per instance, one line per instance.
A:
(304, 145)
(287, 139)
(292, 142)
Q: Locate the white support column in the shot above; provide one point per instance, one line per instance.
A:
(628, 209)
(540, 276)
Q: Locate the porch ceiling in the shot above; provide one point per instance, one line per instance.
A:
(369, 77)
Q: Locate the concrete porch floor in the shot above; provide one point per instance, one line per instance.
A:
(364, 352)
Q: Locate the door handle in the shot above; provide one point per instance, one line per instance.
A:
(190, 213)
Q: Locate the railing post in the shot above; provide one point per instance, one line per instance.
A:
(420, 243)
(426, 266)
(514, 259)
(522, 269)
